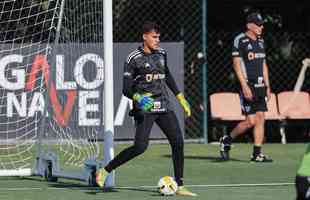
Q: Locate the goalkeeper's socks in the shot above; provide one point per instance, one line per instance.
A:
(108, 168)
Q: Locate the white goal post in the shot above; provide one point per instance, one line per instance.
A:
(108, 88)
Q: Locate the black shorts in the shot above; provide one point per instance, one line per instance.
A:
(302, 184)
(257, 104)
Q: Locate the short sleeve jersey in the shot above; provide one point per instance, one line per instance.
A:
(252, 54)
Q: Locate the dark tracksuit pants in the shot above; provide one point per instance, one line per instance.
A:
(170, 127)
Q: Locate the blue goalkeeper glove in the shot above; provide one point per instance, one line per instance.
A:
(145, 102)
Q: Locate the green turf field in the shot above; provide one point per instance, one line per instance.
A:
(204, 174)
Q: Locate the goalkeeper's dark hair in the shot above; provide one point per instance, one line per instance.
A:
(149, 26)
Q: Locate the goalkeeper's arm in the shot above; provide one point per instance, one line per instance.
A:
(173, 87)
(128, 81)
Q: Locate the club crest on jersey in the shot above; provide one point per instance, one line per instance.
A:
(250, 47)
(261, 45)
(147, 65)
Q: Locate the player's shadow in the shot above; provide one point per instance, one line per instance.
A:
(92, 190)
(210, 158)
(96, 190)
(153, 192)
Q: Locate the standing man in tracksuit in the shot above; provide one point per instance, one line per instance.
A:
(249, 62)
(146, 77)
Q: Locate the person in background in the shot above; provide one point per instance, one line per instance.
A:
(249, 62)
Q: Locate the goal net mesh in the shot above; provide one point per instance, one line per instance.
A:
(47, 101)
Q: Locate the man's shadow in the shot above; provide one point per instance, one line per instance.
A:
(210, 158)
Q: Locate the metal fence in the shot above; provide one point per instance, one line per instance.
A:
(180, 20)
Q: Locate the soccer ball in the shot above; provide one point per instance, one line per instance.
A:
(167, 186)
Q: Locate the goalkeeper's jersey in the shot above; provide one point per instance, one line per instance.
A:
(149, 73)
(304, 169)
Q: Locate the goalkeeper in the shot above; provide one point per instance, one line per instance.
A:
(146, 77)
(302, 181)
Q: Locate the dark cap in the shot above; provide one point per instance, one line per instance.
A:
(255, 18)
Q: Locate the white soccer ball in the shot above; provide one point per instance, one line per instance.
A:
(167, 186)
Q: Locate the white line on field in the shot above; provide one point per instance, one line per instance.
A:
(224, 185)
(145, 186)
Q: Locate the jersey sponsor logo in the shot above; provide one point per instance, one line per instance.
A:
(252, 55)
(152, 77)
(158, 110)
(235, 53)
(245, 40)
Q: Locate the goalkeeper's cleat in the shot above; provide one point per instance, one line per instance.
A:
(101, 176)
(183, 191)
(225, 146)
(260, 158)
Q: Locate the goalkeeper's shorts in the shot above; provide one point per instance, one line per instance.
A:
(302, 184)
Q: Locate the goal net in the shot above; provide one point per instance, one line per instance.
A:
(51, 83)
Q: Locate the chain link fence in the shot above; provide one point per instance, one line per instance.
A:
(180, 21)
(284, 50)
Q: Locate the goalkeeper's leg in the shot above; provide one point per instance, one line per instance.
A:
(168, 123)
(144, 125)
